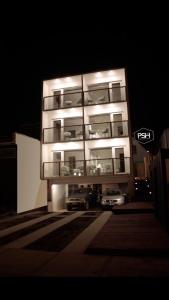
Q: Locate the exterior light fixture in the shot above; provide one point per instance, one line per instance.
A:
(99, 74)
(57, 81)
(68, 79)
(111, 73)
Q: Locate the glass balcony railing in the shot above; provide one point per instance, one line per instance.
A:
(92, 167)
(51, 169)
(90, 97)
(98, 130)
(97, 167)
(63, 134)
(119, 129)
(63, 101)
(85, 132)
(74, 168)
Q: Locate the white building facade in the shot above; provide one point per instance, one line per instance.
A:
(86, 136)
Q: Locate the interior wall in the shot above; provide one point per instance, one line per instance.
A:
(47, 149)
(109, 108)
(78, 154)
(62, 83)
(116, 142)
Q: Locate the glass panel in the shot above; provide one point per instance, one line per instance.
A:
(97, 167)
(71, 99)
(96, 96)
(98, 130)
(63, 134)
(51, 102)
(117, 93)
(119, 128)
(51, 169)
(94, 167)
(121, 165)
(72, 169)
(72, 133)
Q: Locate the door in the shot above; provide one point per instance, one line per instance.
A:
(116, 92)
(117, 129)
(56, 100)
(57, 131)
(72, 163)
(119, 165)
(56, 164)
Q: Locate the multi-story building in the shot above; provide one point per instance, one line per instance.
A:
(86, 137)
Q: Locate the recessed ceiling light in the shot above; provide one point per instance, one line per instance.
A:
(99, 74)
(68, 79)
(57, 81)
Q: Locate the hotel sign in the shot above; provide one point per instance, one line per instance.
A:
(144, 135)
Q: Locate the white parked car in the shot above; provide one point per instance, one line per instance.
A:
(112, 197)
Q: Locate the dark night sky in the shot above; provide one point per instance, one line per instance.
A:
(28, 58)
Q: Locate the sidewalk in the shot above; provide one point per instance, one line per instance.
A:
(134, 207)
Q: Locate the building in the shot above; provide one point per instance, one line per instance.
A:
(86, 135)
(21, 187)
(159, 170)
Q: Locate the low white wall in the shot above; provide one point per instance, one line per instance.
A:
(31, 191)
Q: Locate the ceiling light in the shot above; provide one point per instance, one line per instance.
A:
(98, 75)
(111, 73)
(68, 79)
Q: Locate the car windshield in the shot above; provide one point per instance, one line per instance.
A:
(109, 192)
(78, 192)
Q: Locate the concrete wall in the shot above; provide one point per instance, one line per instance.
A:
(31, 191)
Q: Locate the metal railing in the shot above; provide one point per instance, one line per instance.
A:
(92, 167)
(85, 132)
(89, 97)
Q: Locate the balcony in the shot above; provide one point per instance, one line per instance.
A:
(85, 132)
(106, 95)
(93, 167)
(106, 130)
(63, 134)
(62, 101)
(79, 98)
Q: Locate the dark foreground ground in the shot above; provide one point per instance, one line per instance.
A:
(126, 248)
